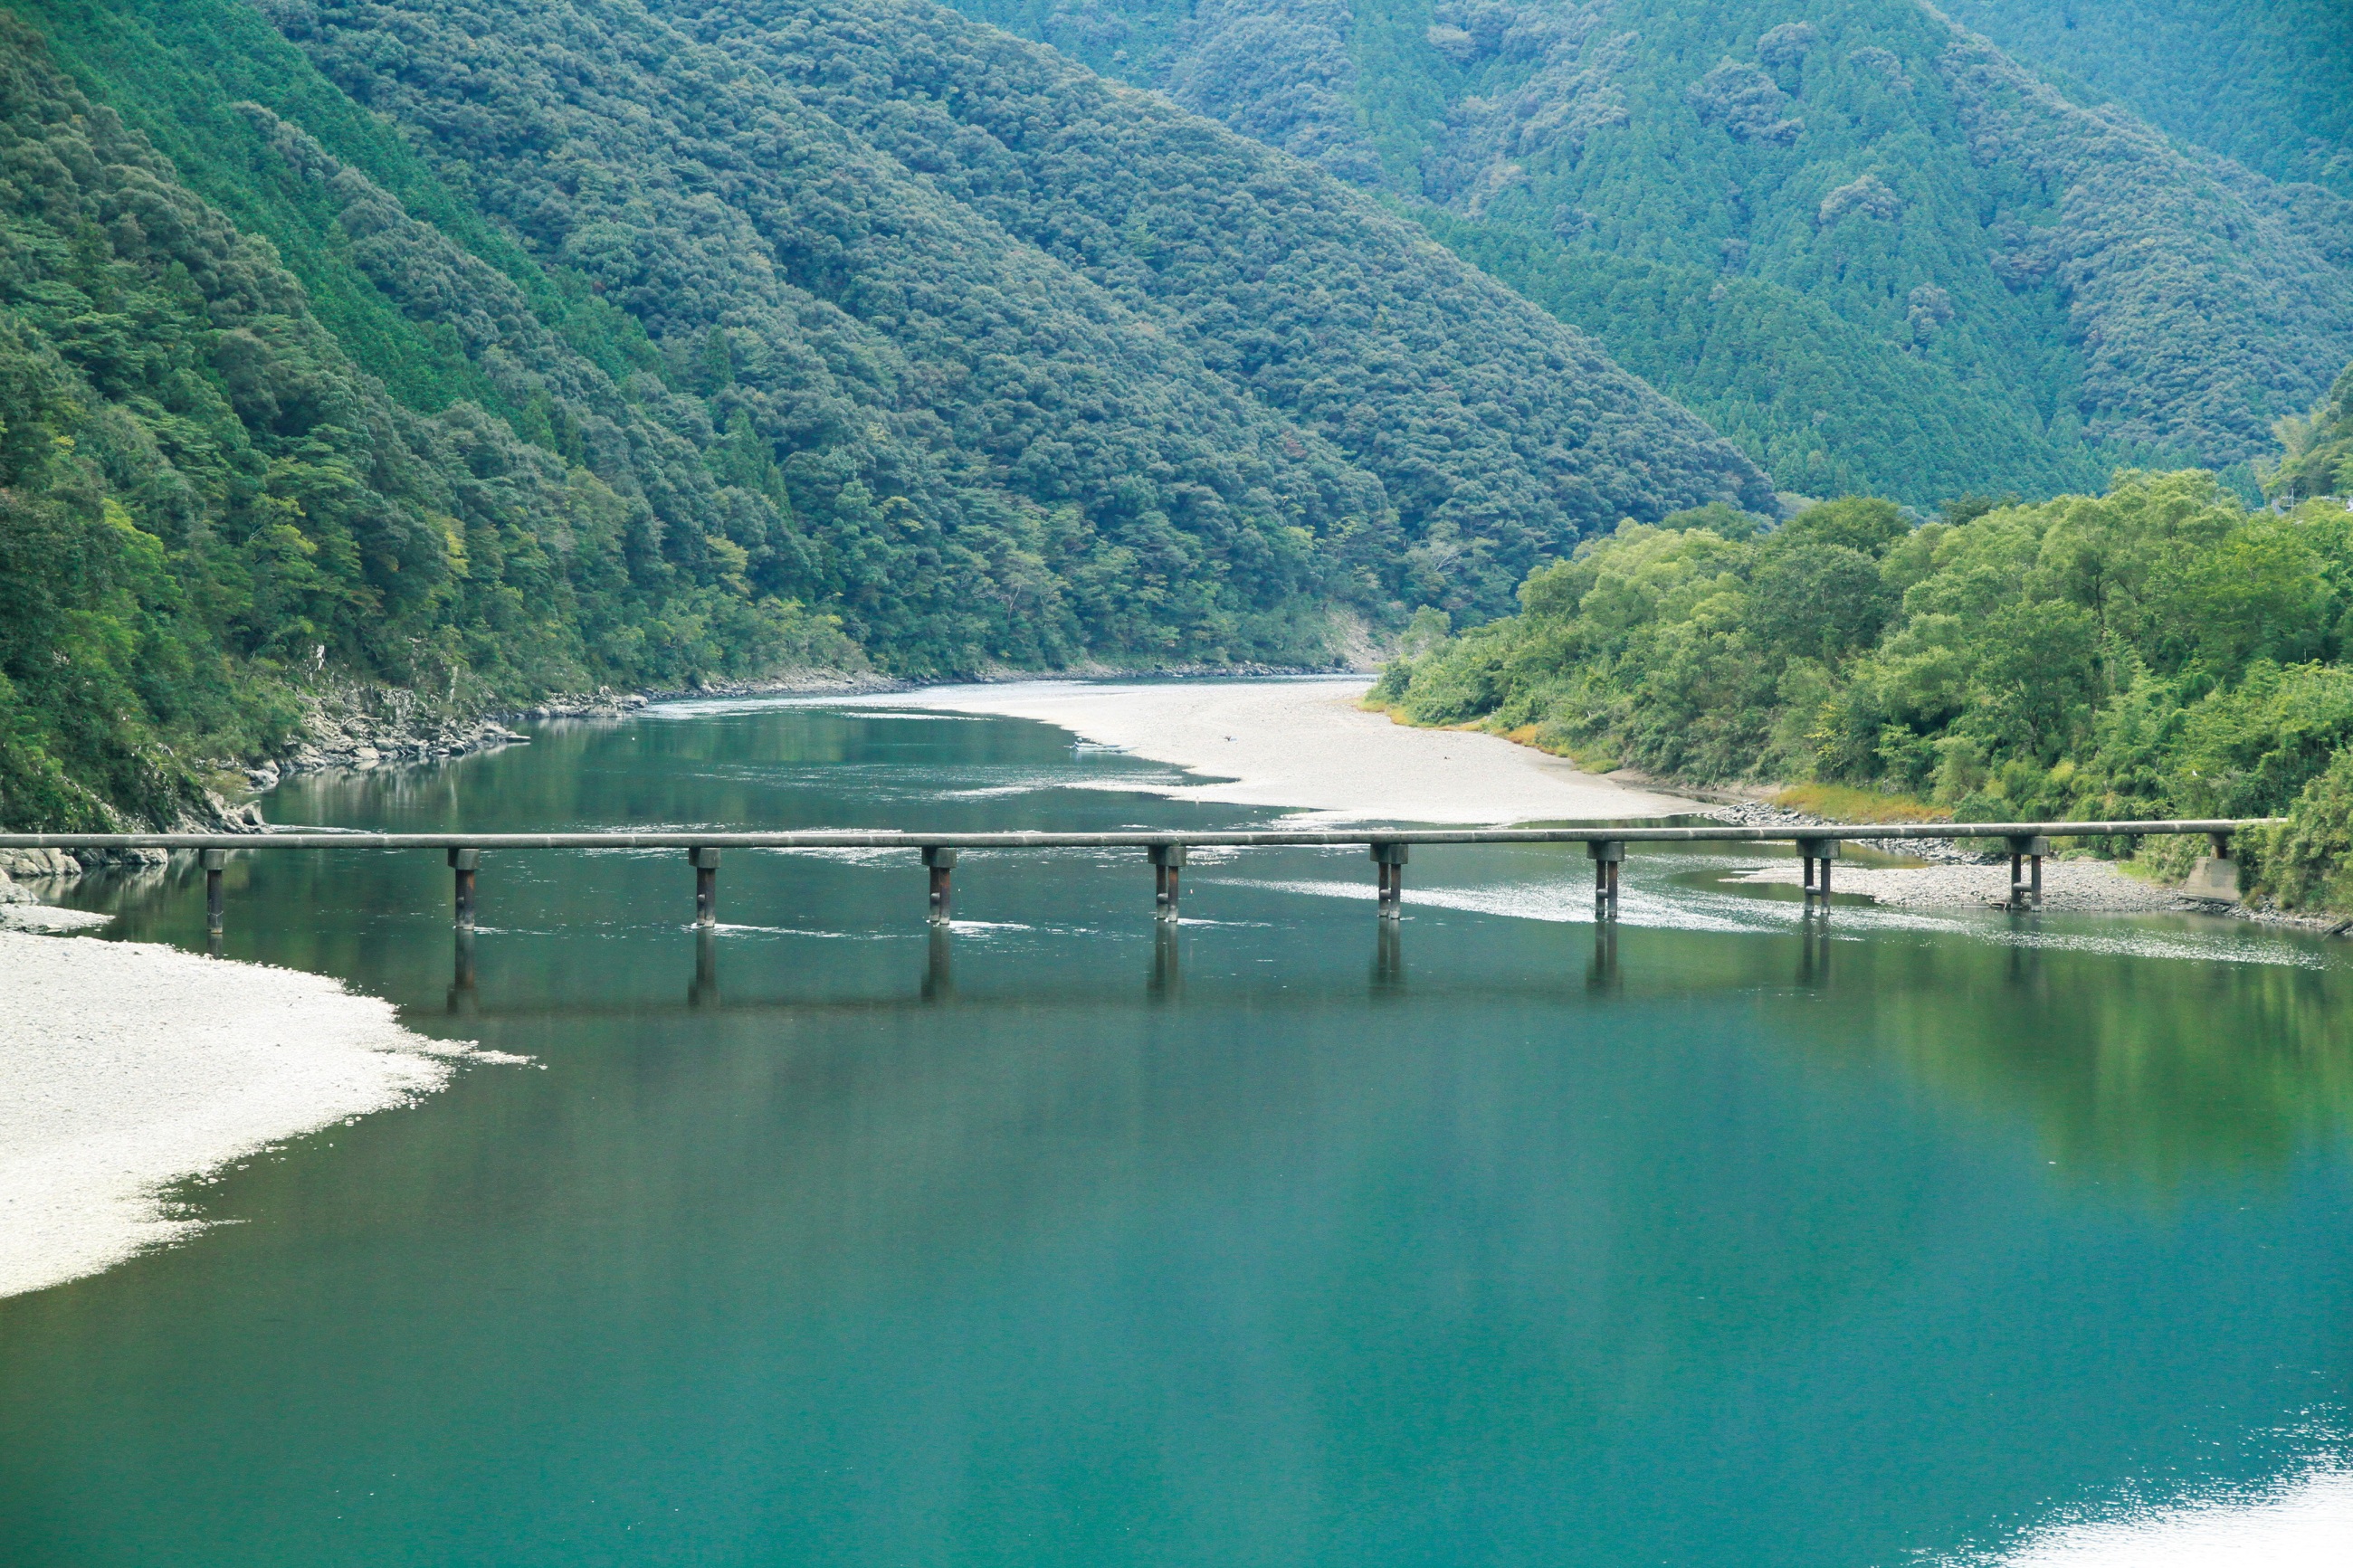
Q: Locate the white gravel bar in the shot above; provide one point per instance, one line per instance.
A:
(125, 1068)
(1305, 743)
(2090, 886)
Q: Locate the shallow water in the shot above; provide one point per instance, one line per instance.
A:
(1721, 1238)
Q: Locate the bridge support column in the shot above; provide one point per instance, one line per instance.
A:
(2215, 877)
(214, 862)
(1607, 854)
(706, 886)
(463, 864)
(1389, 862)
(2025, 871)
(1168, 864)
(1819, 853)
(940, 862)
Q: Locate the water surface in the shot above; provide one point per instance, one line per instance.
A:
(1722, 1237)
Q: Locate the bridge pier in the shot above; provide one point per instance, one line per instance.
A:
(2026, 853)
(1608, 854)
(941, 862)
(1819, 853)
(1389, 860)
(464, 863)
(705, 862)
(214, 862)
(1167, 863)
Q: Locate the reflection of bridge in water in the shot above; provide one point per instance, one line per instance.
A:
(1163, 978)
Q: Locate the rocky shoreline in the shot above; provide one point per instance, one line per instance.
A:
(1940, 851)
(352, 727)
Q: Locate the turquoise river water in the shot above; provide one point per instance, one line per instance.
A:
(1721, 1239)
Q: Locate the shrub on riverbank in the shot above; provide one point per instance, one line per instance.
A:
(2307, 862)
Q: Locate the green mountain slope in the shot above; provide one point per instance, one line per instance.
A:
(1401, 399)
(2015, 292)
(2266, 82)
(536, 347)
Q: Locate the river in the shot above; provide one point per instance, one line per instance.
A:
(1058, 1239)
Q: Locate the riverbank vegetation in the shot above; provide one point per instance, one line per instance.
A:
(2158, 651)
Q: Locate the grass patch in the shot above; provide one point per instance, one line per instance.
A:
(1837, 802)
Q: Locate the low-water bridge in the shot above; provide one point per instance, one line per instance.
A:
(1607, 846)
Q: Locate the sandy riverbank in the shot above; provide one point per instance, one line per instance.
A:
(1306, 744)
(126, 1068)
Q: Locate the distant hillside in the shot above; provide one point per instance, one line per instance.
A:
(2267, 82)
(1864, 243)
(497, 349)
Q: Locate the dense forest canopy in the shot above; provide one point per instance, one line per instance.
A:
(1865, 244)
(2158, 650)
(495, 349)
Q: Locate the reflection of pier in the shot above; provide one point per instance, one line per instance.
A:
(704, 992)
(1603, 974)
(1163, 982)
(1606, 846)
(461, 974)
(1167, 962)
(1814, 948)
(1389, 958)
(939, 964)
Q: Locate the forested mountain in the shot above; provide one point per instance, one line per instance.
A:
(1860, 240)
(2266, 82)
(498, 348)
